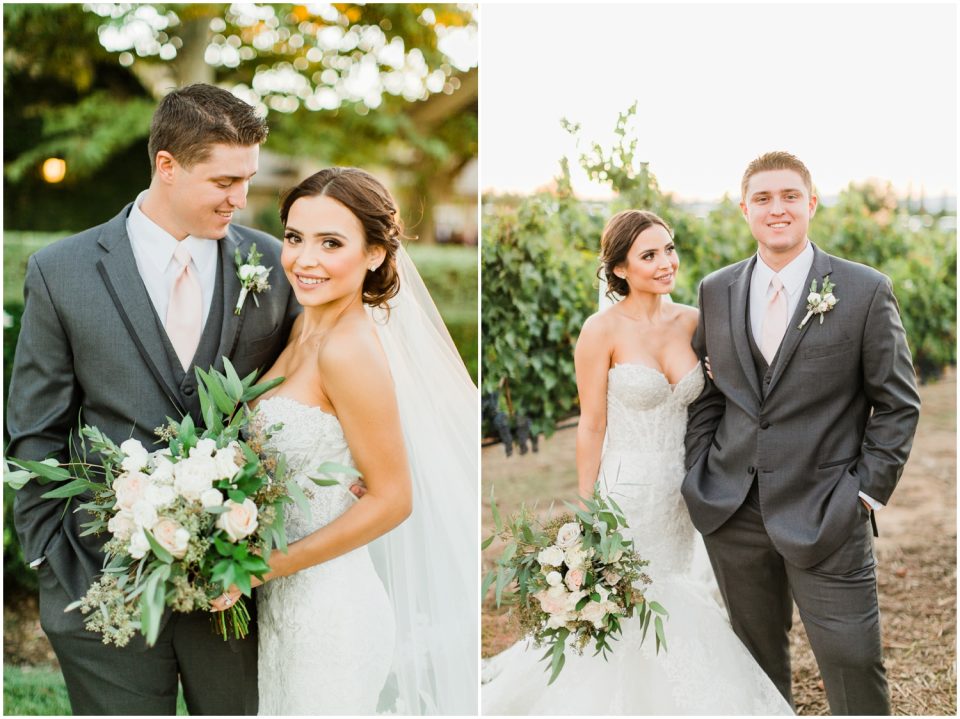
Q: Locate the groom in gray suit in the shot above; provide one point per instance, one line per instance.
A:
(115, 320)
(799, 439)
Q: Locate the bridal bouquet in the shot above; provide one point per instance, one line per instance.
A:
(577, 578)
(185, 521)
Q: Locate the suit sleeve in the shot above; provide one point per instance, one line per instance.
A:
(891, 387)
(703, 415)
(42, 409)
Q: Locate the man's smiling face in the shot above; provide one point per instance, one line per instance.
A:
(778, 207)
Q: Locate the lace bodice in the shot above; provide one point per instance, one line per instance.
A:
(308, 437)
(326, 633)
(644, 411)
(642, 465)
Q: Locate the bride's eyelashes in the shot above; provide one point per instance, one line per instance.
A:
(653, 253)
(292, 238)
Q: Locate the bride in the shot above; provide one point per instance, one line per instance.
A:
(347, 624)
(636, 375)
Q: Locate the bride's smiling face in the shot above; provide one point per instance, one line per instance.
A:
(325, 255)
(652, 262)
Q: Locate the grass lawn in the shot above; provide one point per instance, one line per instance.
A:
(40, 691)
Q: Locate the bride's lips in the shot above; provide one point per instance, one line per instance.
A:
(309, 282)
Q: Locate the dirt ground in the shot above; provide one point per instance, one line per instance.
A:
(916, 552)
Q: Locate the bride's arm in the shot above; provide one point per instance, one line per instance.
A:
(357, 381)
(592, 361)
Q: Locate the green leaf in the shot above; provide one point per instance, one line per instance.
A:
(299, 498)
(661, 639)
(487, 581)
(48, 469)
(251, 393)
(71, 489)
(220, 397)
(655, 606)
(162, 554)
(334, 467)
(234, 386)
(487, 542)
(498, 522)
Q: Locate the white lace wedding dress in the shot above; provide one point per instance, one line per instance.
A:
(706, 669)
(326, 633)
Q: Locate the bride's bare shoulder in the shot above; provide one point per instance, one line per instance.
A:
(351, 348)
(687, 315)
(600, 325)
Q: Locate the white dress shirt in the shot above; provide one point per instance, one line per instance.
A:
(153, 250)
(794, 278)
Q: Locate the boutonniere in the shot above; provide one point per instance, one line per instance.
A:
(819, 302)
(253, 276)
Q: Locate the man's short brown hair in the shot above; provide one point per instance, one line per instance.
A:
(189, 120)
(775, 161)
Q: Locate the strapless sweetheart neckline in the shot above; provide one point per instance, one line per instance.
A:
(657, 372)
(296, 402)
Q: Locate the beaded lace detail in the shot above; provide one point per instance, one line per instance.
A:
(326, 633)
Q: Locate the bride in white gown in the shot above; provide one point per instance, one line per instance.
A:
(349, 623)
(636, 375)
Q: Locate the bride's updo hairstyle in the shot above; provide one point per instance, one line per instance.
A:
(615, 244)
(372, 204)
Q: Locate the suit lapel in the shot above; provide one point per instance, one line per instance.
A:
(739, 296)
(118, 268)
(818, 270)
(230, 327)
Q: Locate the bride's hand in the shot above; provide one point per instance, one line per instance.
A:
(230, 597)
(358, 489)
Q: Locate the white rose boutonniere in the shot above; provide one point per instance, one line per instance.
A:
(819, 302)
(253, 276)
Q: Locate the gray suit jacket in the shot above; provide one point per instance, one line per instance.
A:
(91, 352)
(837, 416)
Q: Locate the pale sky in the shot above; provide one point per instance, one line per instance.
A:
(855, 91)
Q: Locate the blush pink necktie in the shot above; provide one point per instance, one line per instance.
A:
(185, 309)
(775, 321)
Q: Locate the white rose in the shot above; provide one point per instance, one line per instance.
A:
(555, 600)
(136, 455)
(814, 298)
(554, 578)
(212, 497)
(250, 272)
(823, 307)
(551, 556)
(568, 535)
(160, 495)
(194, 476)
(594, 612)
(830, 299)
(121, 525)
(560, 620)
(576, 557)
(611, 577)
(574, 579)
(162, 469)
(204, 448)
(130, 488)
(172, 537)
(239, 521)
(139, 545)
(144, 514)
(226, 460)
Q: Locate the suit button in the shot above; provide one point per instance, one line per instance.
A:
(764, 424)
(188, 390)
(751, 469)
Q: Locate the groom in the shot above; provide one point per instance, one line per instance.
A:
(115, 320)
(799, 439)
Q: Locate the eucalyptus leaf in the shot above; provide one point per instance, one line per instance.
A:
(70, 489)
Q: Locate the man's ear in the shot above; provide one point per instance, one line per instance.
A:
(165, 166)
